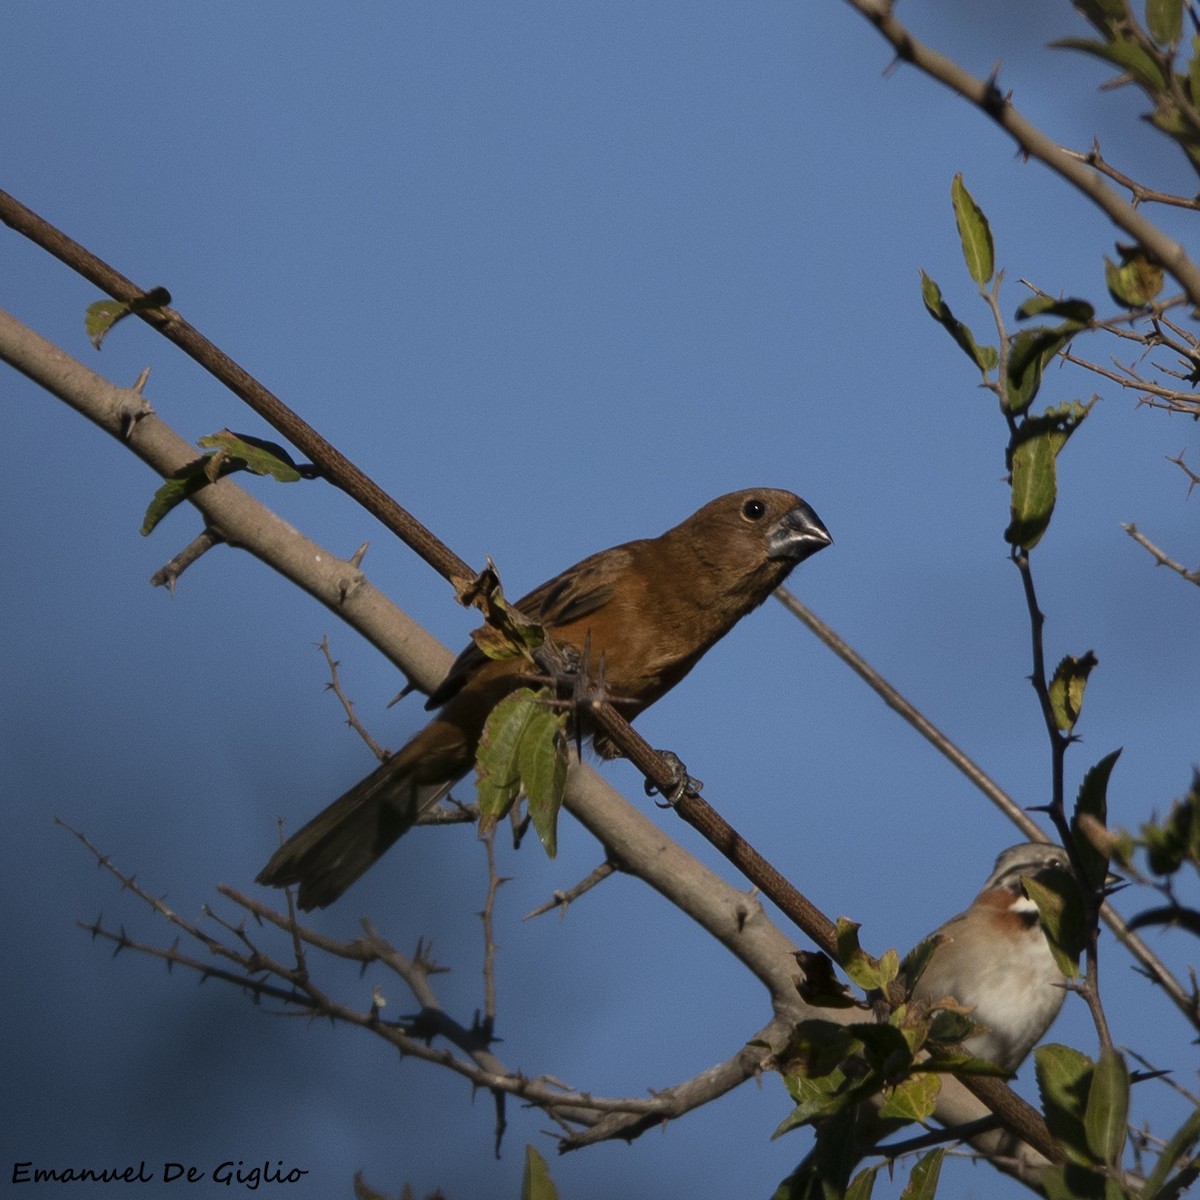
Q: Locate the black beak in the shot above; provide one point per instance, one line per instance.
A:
(797, 534)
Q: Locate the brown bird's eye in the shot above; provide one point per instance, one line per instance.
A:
(754, 510)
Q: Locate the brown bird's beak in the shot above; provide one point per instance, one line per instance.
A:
(797, 534)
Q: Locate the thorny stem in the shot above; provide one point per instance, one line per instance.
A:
(487, 916)
(1058, 740)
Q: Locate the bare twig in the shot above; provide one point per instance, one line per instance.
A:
(1177, 400)
(167, 575)
(1192, 477)
(1161, 556)
(926, 728)
(590, 1118)
(335, 686)
(487, 916)
(1037, 677)
(1140, 193)
(563, 898)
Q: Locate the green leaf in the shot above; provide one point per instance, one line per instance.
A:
(889, 967)
(505, 634)
(1103, 14)
(1193, 72)
(1175, 840)
(1164, 20)
(1136, 282)
(1174, 1153)
(1092, 801)
(1060, 909)
(1033, 451)
(104, 314)
(1064, 1076)
(1034, 491)
(885, 1047)
(1173, 916)
(543, 768)
(913, 1099)
(986, 358)
(234, 452)
(825, 1174)
(1107, 1108)
(1078, 312)
(517, 751)
(963, 1064)
(916, 960)
(537, 1184)
(974, 233)
(1124, 54)
(1067, 687)
(950, 1027)
(922, 1183)
(858, 964)
(816, 1097)
(1028, 355)
(863, 1183)
(255, 455)
(1073, 1181)
(816, 1047)
(185, 482)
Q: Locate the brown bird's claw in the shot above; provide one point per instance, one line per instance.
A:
(681, 782)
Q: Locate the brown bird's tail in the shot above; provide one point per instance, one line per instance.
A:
(343, 840)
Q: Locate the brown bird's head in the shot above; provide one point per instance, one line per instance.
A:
(710, 570)
(755, 529)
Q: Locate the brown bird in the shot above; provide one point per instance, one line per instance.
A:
(648, 610)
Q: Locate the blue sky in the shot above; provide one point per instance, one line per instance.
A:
(553, 275)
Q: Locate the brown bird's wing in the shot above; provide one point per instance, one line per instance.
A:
(571, 596)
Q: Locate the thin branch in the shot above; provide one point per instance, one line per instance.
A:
(926, 728)
(563, 898)
(935, 1137)
(487, 917)
(1149, 962)
(1037, 677)
(335, 686)
(602, 1118)
(698, 813)
(1178, 401)
(987, 97)
(168, 574)
(1161, 556)
(1192, 477)
(1140, 193)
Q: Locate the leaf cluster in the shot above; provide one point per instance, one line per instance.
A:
(1014, 369)
(1152, 55)
(230, 452)
(1086, 1103)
